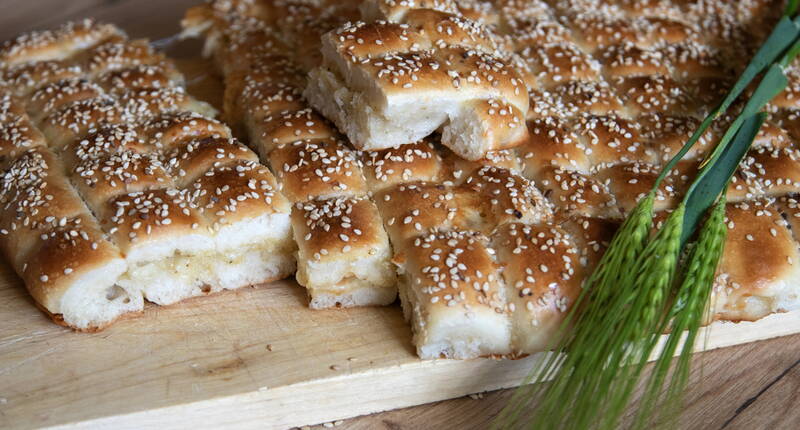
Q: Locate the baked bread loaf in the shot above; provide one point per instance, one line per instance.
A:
(490, 252)
(343, 251)
(118, 186)
(390, 83)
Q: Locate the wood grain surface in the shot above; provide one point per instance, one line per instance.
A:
(751, 386)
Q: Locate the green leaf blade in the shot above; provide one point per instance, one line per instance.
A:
(715, 176)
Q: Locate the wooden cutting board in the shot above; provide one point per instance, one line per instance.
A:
(255, 357)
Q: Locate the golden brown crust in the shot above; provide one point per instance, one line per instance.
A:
(654, 93)
(418, 162)
(445, 29)
(666, 134)
(531, 32)
(457, 169)
(627, 59)
(56, 44)
(432, 54)
(611, 139)
(50, 98)
(552, 142)
(507, 197)
(410, 210)
(141, 76)
(192, 158)
(139, 217)
(171, 129)
(62, 254)
(338, 229)
(26, 77)
(629, 182)
(455, 270)
(614, 90)
(394, 10)
(288, 126)
(693, 60)
(756, 232)
(119, 54)
(771, 172)
(317, 168)
(542, 277)
(77, 118)
(113, 113)
(560, 62)
(227, 194)
(574, 97)
(34, 196)
(124, 171)
(592, 236)
(595, 30)
(17, 132)
(576, 193)
(104, 141)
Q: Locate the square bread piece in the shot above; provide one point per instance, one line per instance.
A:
(386, 84)
(760, 269)
(163, 238)
(542, 275)
(344, 257)
(73, 272)
(452, 293)
(250, 221)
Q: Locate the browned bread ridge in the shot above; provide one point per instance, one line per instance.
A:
(490, 253)
(117, 186)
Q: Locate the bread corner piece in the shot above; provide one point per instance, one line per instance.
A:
(451, 291)
(344, 257)
(56, 246)
(759, 271)
(386, 84)
(75, 278)
(542, 277)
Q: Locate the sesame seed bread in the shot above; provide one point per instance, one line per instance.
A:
(757, 233)
(408, 163)
(453, 297)
(318, 168)
(56, 247)
(60, 44)
(542, 278)
(343, 251)
(396, 11)
(612, 89)
(342, 248)
(412, 50)
(397, 83)
(117, 188)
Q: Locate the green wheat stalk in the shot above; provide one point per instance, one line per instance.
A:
(685, 317)
(629, 300)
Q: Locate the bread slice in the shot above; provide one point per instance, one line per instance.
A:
(387, 84)
(344, 253)
(454, 297)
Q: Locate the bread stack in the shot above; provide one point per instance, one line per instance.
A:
(473, 157)
(496, 205)
(116, 186)
(344, 257)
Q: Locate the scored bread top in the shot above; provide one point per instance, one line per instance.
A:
(614, 88)
(108, 165)
(431, 55)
